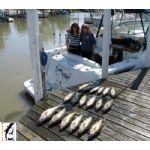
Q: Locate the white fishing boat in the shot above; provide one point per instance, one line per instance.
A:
(43, 14)
(64, 69)
(118, 17)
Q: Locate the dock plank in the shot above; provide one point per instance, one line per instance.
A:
(64, 135)
(41, 131)
(83, 112)
(20, 137)
(127, 125)
(84, 137)
(27, 133)
(129, 119)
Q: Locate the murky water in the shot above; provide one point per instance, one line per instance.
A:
(15, 65)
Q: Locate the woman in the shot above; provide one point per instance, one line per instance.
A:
(73, 39)
(88, 42)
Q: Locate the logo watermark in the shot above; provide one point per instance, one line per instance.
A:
(7, 131)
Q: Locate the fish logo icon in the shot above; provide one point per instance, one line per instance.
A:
(8, 131)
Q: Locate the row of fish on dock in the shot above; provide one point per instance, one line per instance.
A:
(75, 121)
(103, 98)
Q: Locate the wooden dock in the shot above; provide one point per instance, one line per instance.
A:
(128, 120)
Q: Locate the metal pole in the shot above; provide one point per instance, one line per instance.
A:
(59, 39)
(106, 42)
(54, 38)
(33, 33)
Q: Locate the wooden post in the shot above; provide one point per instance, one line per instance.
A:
(33, 32)
(106, 43)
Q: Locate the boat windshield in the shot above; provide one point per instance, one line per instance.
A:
(130, 25)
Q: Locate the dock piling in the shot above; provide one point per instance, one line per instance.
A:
(106, 42)
(33, 33)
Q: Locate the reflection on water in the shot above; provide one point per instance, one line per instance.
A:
(51, 25)
(4, 31)
(15, 65)
(21, 25)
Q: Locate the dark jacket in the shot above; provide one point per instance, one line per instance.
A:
(87, 41)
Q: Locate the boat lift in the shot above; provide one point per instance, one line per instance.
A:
(71, 69)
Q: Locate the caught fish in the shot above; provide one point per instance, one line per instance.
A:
(85, 125)
(106, 91)
(90, 102)
(75, 123)
(69, 97)
(67, 120)
(112, 92)
(57, 117)
(83, 86)
(83, 100)
(47, 114)
(96, 128)
(94, 90)
(100, 90)
(108, 105)
(76, 98)
(99, 104)
(87, 89)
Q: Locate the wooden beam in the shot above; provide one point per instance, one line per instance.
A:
(33, 33)
(106, 42)
(147, 52)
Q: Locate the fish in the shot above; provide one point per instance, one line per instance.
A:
(69, 97)
(85, 125)
(87, 89)
(99, 104)
(106, 91)
(107, 106)
(83, 86)
(94, 90)
(96, 128)
(57, 117)
(90, 102)
(47, 114)
(67, 120)
(76, 98)
(112, 92)
(83, 100)
(100, 90)
(75, 123)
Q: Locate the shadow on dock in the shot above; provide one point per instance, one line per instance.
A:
(139, 79)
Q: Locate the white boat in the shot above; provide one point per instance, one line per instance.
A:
(64, 69)
(43, 14)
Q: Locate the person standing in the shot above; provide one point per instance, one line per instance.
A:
(73, 39)
(88, 42)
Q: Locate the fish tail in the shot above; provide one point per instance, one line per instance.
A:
(90, 137)
(70, 132)
(86, 107)
(61, 129)
(78, 134)
(96, 109)
(38, 124)
(50, 124)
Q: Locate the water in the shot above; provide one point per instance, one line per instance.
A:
(15, 67)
